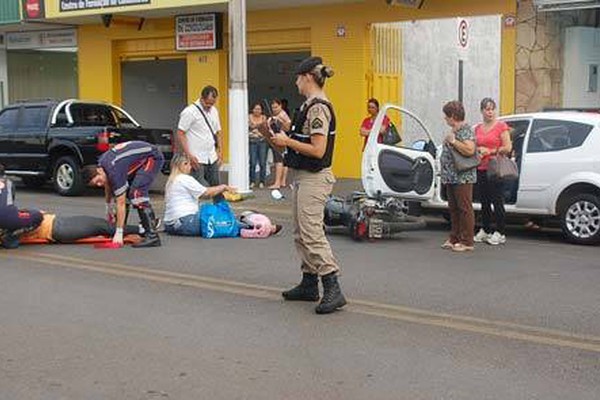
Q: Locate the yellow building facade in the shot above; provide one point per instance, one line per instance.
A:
(314, 29)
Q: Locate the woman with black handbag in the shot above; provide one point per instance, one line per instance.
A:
(458, 162)
(493, 140)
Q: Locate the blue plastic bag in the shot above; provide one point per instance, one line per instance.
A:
(218, 221)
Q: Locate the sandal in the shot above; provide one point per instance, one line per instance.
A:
(532, 226)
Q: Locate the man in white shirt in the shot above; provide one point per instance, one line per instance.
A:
(199, 132)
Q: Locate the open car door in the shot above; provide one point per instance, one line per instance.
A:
(406, 169)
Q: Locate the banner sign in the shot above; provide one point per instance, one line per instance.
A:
(199, 32)
(76, 5)
(33, 9)
(41, 39)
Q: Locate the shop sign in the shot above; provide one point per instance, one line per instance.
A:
(199, 32)
(407, 3)
(75, 5)
(33, 9)
(41, 39)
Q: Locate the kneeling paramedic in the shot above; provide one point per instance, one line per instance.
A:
(126, 172)
(13, 221)
(309, 152)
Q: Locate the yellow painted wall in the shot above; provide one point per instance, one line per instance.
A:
(314, 29)
(53, 7)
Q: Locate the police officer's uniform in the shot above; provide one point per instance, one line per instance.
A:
(313, 182)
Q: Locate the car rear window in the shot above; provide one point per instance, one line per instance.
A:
(33, 118)
(92, 115)
(555, 135)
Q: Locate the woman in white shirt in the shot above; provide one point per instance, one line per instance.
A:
(182, 194)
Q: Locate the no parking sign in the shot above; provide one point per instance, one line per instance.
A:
(463, 33)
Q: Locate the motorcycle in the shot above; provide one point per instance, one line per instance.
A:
(393, 178)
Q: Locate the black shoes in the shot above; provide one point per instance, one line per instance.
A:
(148, 220)
(333, 298)
(308, 290)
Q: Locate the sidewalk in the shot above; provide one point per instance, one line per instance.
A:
(260, 199)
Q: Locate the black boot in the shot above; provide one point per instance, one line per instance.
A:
(148, 220)
(332, 295)
(307, 290)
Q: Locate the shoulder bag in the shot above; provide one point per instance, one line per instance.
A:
(391, 137)
(214, 135)
(463, 163)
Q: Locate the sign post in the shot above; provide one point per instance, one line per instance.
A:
(238, 97)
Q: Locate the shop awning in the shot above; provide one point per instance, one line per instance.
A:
(565, 5)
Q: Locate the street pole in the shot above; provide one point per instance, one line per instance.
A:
(238, 97)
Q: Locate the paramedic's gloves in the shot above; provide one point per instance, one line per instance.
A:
(111, 213)
(118, 238)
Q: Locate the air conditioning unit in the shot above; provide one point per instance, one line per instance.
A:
(563, 5)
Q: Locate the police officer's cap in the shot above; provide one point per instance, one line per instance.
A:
(308, 64)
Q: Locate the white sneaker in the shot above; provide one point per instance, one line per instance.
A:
(496, 238)
(481, 236)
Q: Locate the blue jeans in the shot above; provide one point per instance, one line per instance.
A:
(258, 156)
(185, 226)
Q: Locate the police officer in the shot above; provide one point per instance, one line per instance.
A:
(127, 171)
(308, 155)
(13, 221)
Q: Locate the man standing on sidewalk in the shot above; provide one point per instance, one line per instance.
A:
(199, 132)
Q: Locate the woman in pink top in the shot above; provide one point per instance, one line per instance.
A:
(367, 124)
(492, 138)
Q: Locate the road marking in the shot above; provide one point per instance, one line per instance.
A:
(502, 329)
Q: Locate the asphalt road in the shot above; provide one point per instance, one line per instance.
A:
(200, 319)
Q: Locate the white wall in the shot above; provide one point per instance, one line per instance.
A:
(3, 78)
(430, 67)
(582, 49)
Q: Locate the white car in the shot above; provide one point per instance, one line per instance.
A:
(558, 154)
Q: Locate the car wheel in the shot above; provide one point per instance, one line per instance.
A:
(67, 177)
(580, 219)
(33, 181)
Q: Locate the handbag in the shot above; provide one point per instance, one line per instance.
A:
(218, 221)
(502, 168)
(391, 136)
(463, 163)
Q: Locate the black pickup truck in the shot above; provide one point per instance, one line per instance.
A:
(57, 140)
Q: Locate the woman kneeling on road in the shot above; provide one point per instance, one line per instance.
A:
(181, 198)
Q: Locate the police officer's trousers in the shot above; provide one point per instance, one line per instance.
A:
(311, 190)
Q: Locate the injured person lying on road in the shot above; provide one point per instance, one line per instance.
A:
(75, 229)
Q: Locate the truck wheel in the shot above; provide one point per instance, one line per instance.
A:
(33, 181)
(67, 177)
(580, 219)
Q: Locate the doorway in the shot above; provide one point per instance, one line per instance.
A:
(272, 76)
(155, 91)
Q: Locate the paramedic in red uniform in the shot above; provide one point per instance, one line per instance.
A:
(13, 221)
(127, 171)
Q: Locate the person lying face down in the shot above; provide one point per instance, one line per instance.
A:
(61, 229)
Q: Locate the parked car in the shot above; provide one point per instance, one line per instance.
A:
(52, 140)
(558, 154)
